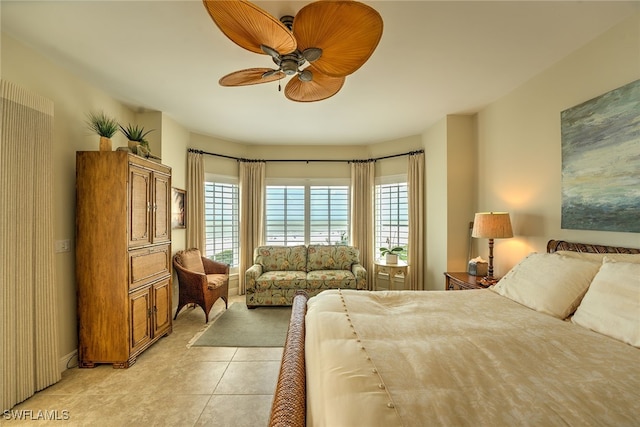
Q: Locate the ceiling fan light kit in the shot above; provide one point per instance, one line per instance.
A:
(325, 42)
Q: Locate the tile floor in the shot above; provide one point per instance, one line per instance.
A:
(169, 385)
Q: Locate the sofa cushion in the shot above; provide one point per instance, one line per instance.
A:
(331, 279)
(330, 257)
(281, 258)
(191, 259)
(281, 280)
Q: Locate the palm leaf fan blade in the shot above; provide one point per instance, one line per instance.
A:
(249, 26)
(348, 32)
(250, 76)
(321, 87)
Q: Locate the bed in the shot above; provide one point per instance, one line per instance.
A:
(502, 356)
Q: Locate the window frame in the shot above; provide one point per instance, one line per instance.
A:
(307, 184)
(236, 244)
(402, 238)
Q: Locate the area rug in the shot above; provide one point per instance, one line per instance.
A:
(240, 327)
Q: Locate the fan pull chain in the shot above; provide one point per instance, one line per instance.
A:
(279, 87)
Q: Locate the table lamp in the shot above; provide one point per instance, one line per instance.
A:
(491, 225)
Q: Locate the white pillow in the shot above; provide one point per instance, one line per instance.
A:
(548, 283)
(598, 257)
(611, 306)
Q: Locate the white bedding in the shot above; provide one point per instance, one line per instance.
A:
(460, 358)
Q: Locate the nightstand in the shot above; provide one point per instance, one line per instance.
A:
(393, 270)
(462, 281)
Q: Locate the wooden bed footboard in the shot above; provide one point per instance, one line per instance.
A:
(289, 402)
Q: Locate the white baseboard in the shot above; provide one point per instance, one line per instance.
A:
(67, 361)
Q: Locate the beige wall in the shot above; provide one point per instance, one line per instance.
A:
(175, 141)
(519, 144)
(435, 150)
(515, 165)
(461, 175)
(73, 98)
(336, 170)
(450, 151)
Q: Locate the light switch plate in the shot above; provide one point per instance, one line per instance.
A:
(63, 245)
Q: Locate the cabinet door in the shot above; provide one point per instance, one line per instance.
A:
(139, 206)
(161, 307)
(140, 316)
(161, 208)
(148, 264)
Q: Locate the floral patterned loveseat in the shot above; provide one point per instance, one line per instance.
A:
(279, 271)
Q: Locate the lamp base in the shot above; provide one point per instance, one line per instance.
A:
(488, 281)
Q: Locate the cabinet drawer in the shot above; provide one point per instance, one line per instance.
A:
(458, 285)
(148, 264)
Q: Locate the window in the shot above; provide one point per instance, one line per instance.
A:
(285, 215)
(329, 215)
(392, 217)
(221, 215)
(310, 214)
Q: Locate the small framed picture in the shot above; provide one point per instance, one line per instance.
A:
(178, 208)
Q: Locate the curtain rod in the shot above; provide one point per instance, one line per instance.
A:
(241, 159)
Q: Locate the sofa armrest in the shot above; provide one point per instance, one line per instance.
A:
(252, 274)
(214, 267)
(361, 276)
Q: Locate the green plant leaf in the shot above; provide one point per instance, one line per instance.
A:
(134, 132)
(102, 124)
(395, 250)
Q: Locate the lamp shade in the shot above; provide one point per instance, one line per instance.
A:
(492, 225)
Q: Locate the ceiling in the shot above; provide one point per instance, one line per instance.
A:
(434, 58)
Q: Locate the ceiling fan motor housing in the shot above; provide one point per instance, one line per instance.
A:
(287, 20)
(289, 67)
(290, 63)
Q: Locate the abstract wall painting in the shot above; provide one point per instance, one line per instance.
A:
(601, 162)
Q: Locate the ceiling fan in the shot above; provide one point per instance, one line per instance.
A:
(325, 42)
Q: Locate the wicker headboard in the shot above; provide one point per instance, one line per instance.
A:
(561, 245)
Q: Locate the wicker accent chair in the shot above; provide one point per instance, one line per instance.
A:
(201, 280)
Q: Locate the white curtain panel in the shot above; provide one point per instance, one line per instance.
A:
(362, 214)
(416, 199)
(28, 311)
(195, 201)
(252, 190)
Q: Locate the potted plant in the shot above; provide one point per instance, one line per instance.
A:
(344, 239)
(104, 126)
(391, 254)
(135, 134)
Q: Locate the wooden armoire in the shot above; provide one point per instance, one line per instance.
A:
(123, 256)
